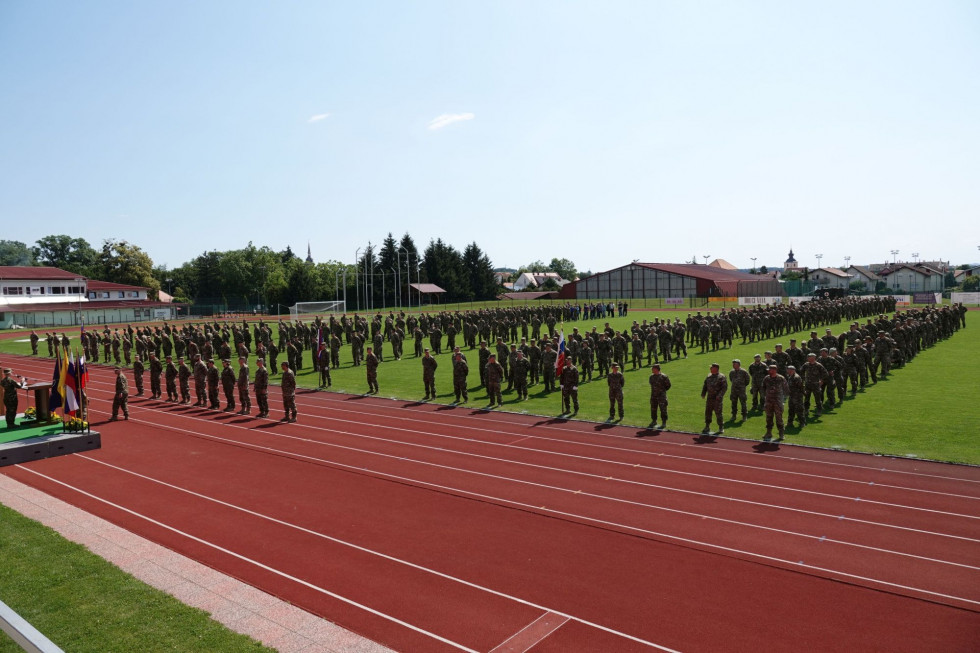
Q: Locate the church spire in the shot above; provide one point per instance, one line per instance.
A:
(309, 253)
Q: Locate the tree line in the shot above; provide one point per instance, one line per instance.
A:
(260, 276)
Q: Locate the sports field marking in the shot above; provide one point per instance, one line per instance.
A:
(768, 558)
(532, 634)
(556, 488)
(251, 561)
(723, 498)
(331, 539)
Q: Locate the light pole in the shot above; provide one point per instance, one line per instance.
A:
(847, 262)
(894, 255)
(819, 256)
(398, 277)
(754, 271)
(706, 257)
(357, 285)
(915, 256)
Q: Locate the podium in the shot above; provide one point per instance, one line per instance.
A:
(42, 395)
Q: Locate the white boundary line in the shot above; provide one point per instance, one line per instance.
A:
(331, 539)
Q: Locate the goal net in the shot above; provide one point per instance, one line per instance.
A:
(301, 309)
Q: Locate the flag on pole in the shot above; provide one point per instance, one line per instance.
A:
(560, 361)
(71, 386)
(82, 372)
(55, 400)
(62, 378)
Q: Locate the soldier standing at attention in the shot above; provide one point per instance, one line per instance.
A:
(796, 389)
(713, 392)
(757, 371)
(569, 388)
(484, 358)
(200, 380)
(429, 365)
(243, 397)
(138, 370)
(288, 386)
(184, 375)
(214, 380)
(814, 375)
(494, 375)
(534, 361)
(120, 400)
(659, 385)
(371, 363)
(739, 380)
(460, 371)
(156, 369)
(323, 364)
(228, 384)
(519, 371)
(34, 340)
(586, 355)
(616, 381)
(548, 361)
(171, 377)
(775, 389)
(261, 387)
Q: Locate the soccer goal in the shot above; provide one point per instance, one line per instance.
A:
(301, 309)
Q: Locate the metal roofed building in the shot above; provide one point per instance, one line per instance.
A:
(666, 280)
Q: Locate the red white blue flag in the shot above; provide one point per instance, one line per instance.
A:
(560, 361)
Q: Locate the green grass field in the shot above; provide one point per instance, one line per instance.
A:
(83, 603)
(918, 411)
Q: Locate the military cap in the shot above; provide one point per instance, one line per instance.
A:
(758, 355)
(7, 370)
(715, 365)
(737, 361)
(209, 361)
(811, 354)
(169, 356)
(792, 339)
(769, 352)
(774, 367)
(823, 349)
(116, 368)
(833, 350)
(791, 367)
(656, 366)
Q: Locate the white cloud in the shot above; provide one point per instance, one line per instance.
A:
(449, 118)
(318, 117)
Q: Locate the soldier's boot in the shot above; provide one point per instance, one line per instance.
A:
(768, 435)
(734, 415)
(745, 416)
(781, 433)
(706, 430)
(789, 423)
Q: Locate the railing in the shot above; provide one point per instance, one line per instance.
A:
(24, 634)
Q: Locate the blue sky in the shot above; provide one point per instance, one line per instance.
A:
(598, 131)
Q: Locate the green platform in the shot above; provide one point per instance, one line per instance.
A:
(27, 429)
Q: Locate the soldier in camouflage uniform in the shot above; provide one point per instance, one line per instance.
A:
(796, 388)
(429, 365)
(288, 387)
(850, 370)
(494, 376)
(739, 380)
(814, 377)
(603, 353)
(616, 381)
(637, 351)
(883, 354)
(200, 381)
(713, 392)
(659, 385)
(757, 372)
(460, 371)
(371, 363)
(138, 371)
(534, 361)
(588, 360)
(214, 380)
(228, 384)
(569, 387)
(548, 361)
(120, 400)
(242, 383)
(261, 387)
(156, 369)
(775, 389)
(519, 371)
(183, 377)
(484, 358)
(832, 365)
(171, 377)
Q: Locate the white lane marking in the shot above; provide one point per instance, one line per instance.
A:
(572, 472)
(560, 489)
(532, 634)
(637, 451)
(335, 540)
(256, 563)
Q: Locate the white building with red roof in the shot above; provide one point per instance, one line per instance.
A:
(38, 297)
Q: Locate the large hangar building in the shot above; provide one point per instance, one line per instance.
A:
(671, 280)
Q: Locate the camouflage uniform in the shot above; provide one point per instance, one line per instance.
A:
(171, 377)
(120, 400)
(371, 362)
(796, 387)
(519, 371)
(243, 397)
(775, 390)
(200, 379)
(713, 391)
(156, 369)
(616, 381)
(739, 379)
(757, 371)
(261, 388)
(460, 371)
(569, 388)
(548, 361)
(494, 376)
(228, 385)
(659, 385)
(288, 386)
(429, 365)
(138, 371)
(183, 376)
(814, 375)
(214, 379)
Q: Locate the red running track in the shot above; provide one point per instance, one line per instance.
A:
(430, 528)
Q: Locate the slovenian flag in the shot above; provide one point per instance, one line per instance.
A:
(560, 361)
(71, 387)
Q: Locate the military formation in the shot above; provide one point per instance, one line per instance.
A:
(518, 348)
